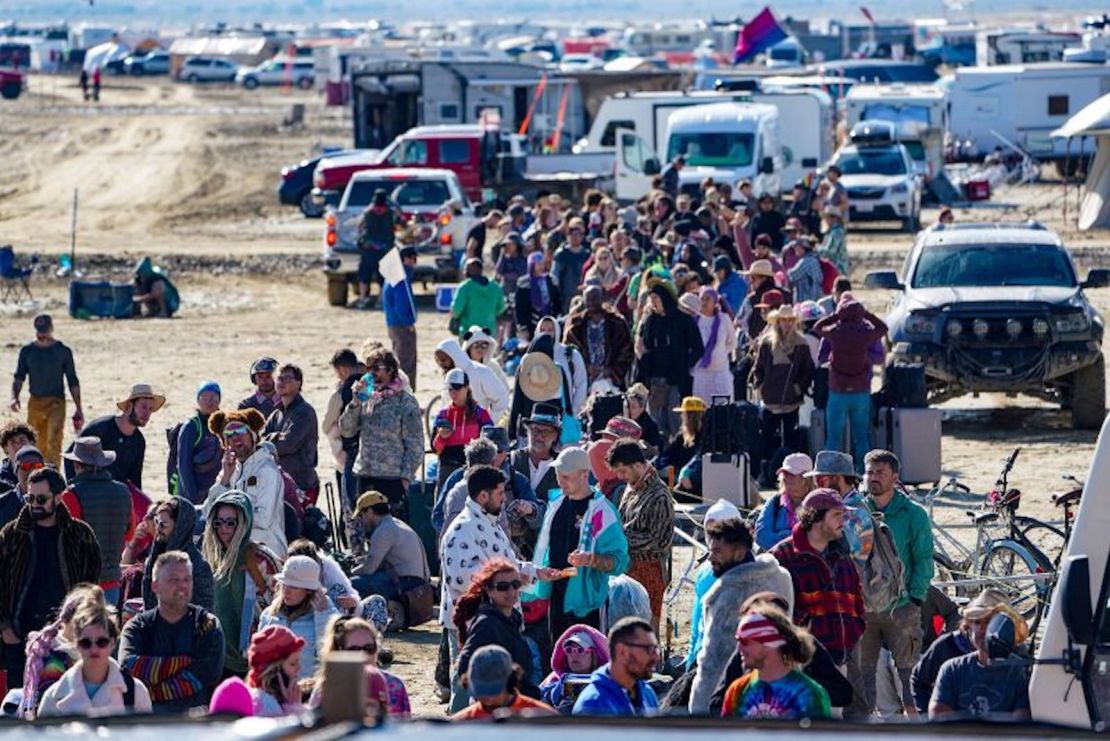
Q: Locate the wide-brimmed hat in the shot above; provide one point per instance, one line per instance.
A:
(301, 572)
(760, 267)
(538, 376)
(772, 299)
(691, 404)
(141, 391)
(983, 604)
(499, 436)
(833, 463)
(90, 452)
(545, 414)
(619, 427)
(786, 311)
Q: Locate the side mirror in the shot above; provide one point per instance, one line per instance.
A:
(884, 279)
(766, 166)
(1074, 594)
(651, 166)
(1097, 278)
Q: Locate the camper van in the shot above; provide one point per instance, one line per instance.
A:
(1070, 684)
(919, 114)
(1022, 104)
(1022, 46)
(805, 125)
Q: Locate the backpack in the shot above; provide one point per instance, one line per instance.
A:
(883, 576)
(173, 479)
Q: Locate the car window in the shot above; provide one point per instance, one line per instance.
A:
(454, 151)
(200, 63)
(305, 65)
(712, 149)
(414, 153)
(960, 265)
(401, 193)
(869, 161)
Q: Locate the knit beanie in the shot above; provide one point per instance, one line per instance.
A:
(209, 386)
(271, 644)
(232, 696)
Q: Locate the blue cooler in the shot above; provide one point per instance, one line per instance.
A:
(445, 294)
(89, 299)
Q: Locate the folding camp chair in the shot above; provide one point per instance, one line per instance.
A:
(16, 280)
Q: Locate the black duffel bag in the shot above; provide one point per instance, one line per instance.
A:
(904, 386)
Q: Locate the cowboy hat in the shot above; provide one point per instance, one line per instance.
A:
(760, 267)
(88, 450)
(141, 391)
(545, 414)
(772, 299)
(538, 376)
(786, 311)
(691, 404)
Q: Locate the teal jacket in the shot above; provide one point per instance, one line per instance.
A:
(602, 534)
(913, 537)
(703, 581)
(478, 301)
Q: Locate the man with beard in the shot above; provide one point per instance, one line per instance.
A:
(265, 397)
(122, 435)
(105, 504)
(177, 648)
(739, 575)
(28, 460)
(620, 688)
(45, 553)
(534, 462)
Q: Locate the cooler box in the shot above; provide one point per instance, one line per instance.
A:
(100, 299)
(445, 294)
(978, 190)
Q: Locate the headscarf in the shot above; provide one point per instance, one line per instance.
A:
(714, 331)
(537, 279)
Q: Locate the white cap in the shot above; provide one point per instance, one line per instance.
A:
(797, 464)
(721, 510)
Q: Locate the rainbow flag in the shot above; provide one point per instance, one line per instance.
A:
(760, 33)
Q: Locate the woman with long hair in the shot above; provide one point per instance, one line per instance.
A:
(485, 614)
(95, 685)
(604, 270)
(358, 635)
(460, 421)
(53, 650)
(713, 373)
(275, 666)
(301, 605)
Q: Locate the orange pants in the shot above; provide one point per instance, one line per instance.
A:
(649, 572)
(47, 417)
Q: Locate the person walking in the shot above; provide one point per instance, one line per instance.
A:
(122, 434)
(620, 687)
(294, 431)
(49, 364)
(400, 316)
(670, 176)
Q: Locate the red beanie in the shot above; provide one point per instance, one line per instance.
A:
(275, 643)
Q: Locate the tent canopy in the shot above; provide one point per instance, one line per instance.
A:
(1091, 121)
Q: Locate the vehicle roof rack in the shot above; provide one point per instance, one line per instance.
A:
(964, 225)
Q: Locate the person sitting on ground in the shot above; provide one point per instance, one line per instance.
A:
(95, 685)
(175, 648)
(395, 558)
(301, 605)
(335, 582)
(174, 530)
(155, 295)
(494, 680)
(578, 652)
(275, 668)
(774, 651)
(620, 687)
(358, 635)
(247, 468)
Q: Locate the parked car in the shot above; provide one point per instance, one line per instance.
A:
(156, 62)
(207, 69)
(879, 174)
(299, 72)
(989, 307)
(431, 201)
(295, 188)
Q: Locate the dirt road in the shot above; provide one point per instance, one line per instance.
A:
(177, 171)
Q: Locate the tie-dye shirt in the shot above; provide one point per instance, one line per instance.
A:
(792, 697)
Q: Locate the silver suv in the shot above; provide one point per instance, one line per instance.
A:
(207, 69)
(880, 176)
(299, 72)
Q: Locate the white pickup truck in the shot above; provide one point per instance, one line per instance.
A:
(433, 205)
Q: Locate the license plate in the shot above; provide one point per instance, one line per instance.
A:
(864, 208)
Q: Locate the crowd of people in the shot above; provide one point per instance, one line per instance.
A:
(573, 423)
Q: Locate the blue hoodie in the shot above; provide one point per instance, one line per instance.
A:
(603, 696)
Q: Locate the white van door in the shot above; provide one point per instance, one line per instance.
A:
(636, 165)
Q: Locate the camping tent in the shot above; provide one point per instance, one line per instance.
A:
(1094, 120)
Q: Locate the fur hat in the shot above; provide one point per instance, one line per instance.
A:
(252, 418)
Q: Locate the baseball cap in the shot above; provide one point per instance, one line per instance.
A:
(572, 460)
(823, 499)
(722, 262)
(43, 322)
(456, 377)
(582, 638)
(369, 499)
(797, 464)
(29, 451)
(489, 671)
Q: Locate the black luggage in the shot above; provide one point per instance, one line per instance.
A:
(904, 386)
(731, 427)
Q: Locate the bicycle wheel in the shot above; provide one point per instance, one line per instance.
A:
(1049, 540)
(430, 413)
(1006, 558)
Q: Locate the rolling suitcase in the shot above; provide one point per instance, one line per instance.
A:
(725, 476)
(914, 436)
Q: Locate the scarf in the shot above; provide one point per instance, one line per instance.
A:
(393, 388)
(541, 297)
(714, 331)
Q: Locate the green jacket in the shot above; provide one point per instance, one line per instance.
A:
(913, 537)
(478, 302)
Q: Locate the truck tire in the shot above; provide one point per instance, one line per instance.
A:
(337, 290)
(11, 90)
(1088, 396)
(309, 207)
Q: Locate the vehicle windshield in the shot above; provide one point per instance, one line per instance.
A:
(916, 148)
(712, 149)
(960, 265)
(877, 161)
(405, 194)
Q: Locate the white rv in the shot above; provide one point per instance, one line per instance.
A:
(1022, 46)
(919, 114)
(805, 125)
(1023, 104)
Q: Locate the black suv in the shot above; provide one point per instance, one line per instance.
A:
(998, 308)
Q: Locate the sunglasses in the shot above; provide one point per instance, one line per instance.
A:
(228, 522)
(40, 499)
(574, 649)
(87, 643)
(234, 431)
(31, 466)
(505, 586)
(369, 649)
(651, 648)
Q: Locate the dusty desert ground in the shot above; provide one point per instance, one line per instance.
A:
(189, 175)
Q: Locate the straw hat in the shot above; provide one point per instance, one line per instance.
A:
(538, 376)
(786, 311)
(760, 267)
(141, 391)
